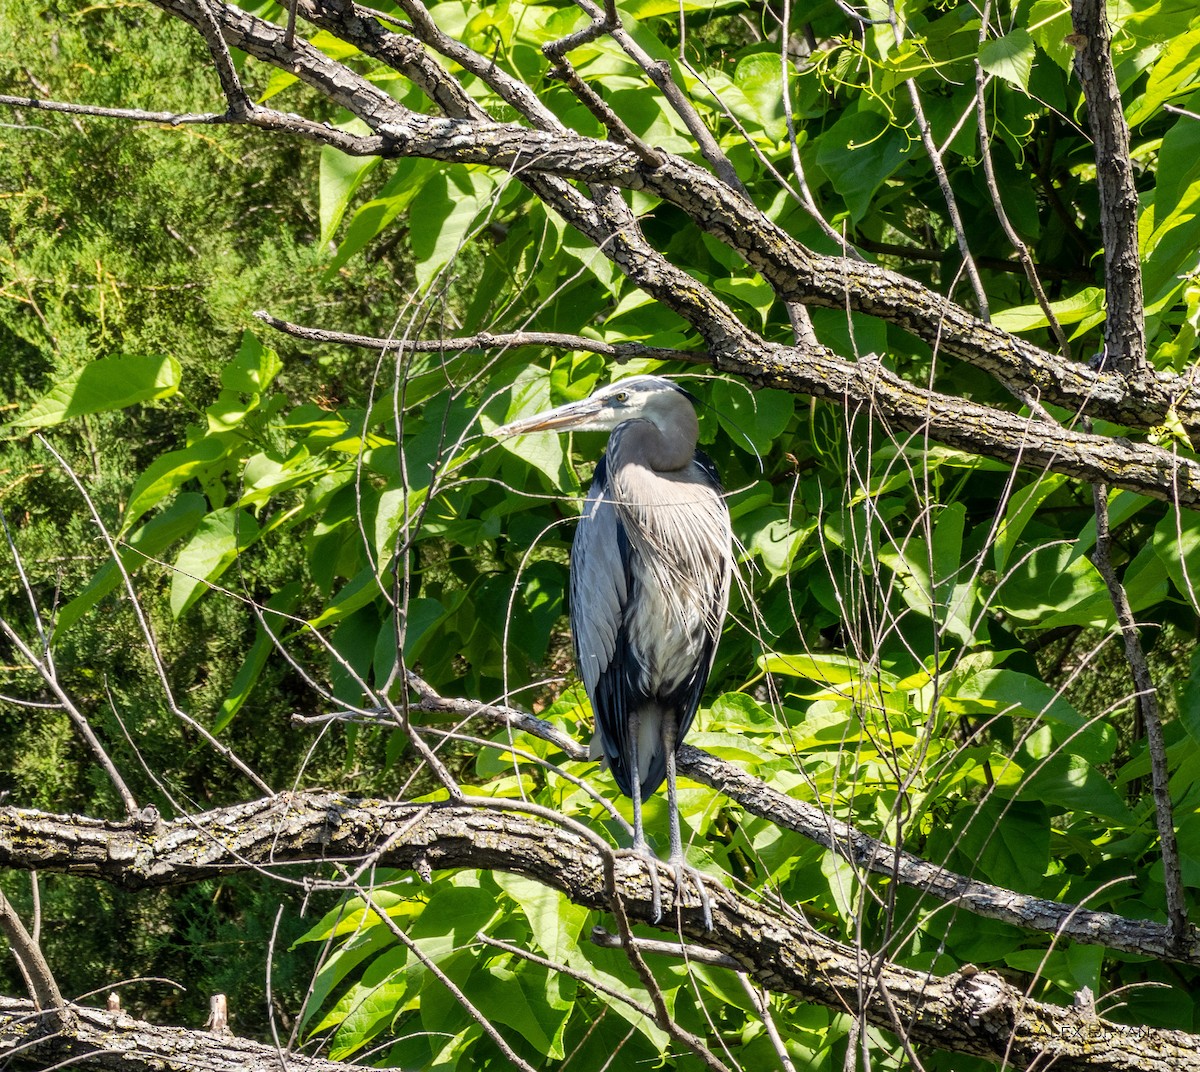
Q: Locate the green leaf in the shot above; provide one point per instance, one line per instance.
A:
(1009, 843)
(377, 215)
(444, 213)
(254, 368)
(555, 921)
(755, 417)
(1173, 218)
(1073, 782)
(859, 153)
(527, 1001)
(1176, 71)
(283, 601)
(1088, 302)
(170, 471)
(1049, 26)
(1021, 696)
(1053, 579)
(760, 78)
(776, 539)
(1021, 508)
(1009, 57)
(149, 541)
(340, 176)
(105, 384)
(826, 669)
(369, 1006)
(1177, 544)
(217, 541)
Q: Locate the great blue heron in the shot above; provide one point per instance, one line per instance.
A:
(650, 572)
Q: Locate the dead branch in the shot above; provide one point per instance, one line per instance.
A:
(975, 1013)
(114, 1040)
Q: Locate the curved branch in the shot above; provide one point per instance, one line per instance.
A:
(796, 273)
(973, 1012)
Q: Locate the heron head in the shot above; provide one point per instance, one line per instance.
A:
(648, 398)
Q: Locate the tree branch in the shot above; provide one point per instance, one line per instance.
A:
(975, 1013)
(1150, 718)
(119, 1042)
(1125, 325)
(1139, 936)
(796, 273)
(485, 340)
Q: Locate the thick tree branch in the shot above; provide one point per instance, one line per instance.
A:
(975, 1013)
(795, 272)
(103, 1039)
(1125, 326)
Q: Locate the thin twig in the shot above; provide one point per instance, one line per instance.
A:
(148, 632)
(943, 180)
(677, 950)
(661, 1014)
(618, 129)
(758, 999)
(263, 118)
(486, 340)
(455, 991)
(677, 1032)
(989, 172)
(45, 670)
(1147, 704)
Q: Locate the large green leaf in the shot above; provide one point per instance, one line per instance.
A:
(144, 545)
(105, 384)
(217, 541)
(449, 206)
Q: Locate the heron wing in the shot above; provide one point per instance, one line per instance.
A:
(687, 695)
(600, 589)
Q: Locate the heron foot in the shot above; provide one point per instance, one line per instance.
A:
(683, 871)
(643, 853)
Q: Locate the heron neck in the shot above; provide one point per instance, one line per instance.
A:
(641, 442)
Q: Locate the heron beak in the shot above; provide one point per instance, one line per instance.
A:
(572, 415)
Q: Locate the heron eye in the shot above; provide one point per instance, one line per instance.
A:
(622, 396)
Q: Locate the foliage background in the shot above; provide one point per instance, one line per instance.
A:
(921, 644)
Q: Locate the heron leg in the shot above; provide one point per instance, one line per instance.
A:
(640, 847)
(677, 861)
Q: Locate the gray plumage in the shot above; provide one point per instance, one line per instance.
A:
(650, 572)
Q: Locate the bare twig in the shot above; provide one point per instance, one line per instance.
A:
(45, 669)
(676, 950)
(672, 1028)
(32, 963)
(431, 966)
(989, 172)
(943, 179)
(1151, 719)
(618, 129)
(486, 340)
(148, 632)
